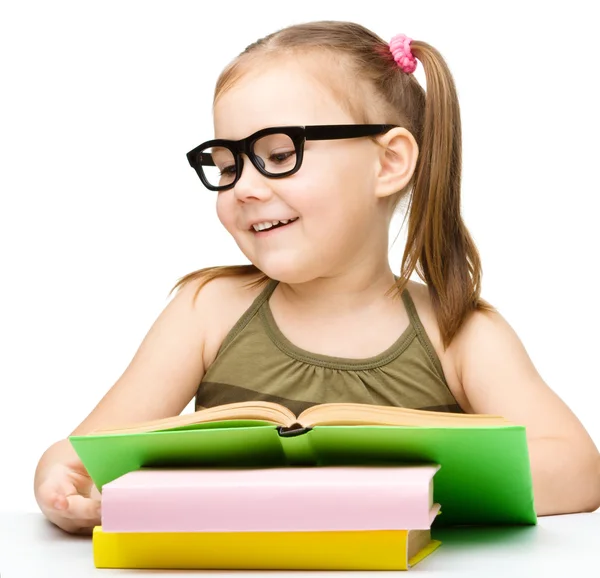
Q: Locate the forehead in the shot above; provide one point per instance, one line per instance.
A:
(277, 92)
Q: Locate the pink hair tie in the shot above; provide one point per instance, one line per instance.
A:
(400, 48)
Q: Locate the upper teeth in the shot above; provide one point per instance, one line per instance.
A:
(269, 224)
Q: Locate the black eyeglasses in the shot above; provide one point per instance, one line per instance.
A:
(275, 152)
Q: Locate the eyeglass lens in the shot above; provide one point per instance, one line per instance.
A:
(276, 154)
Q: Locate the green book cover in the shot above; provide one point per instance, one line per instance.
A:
(484, 478)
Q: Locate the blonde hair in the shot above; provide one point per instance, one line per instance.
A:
(439, 246)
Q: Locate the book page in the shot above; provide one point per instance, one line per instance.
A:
(417, 541)
(364, 414)
(247, 410)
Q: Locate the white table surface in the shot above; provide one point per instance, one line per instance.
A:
(569, 545)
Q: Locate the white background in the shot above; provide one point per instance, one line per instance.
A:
(100, 213)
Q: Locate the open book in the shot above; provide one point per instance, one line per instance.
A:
(485, 474)
(317, 415)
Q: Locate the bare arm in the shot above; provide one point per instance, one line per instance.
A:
(161, 379)
(499, 378)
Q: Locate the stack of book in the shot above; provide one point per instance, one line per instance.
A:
(296, 518)
(251, 485)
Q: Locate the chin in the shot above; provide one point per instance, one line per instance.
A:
(287, 272)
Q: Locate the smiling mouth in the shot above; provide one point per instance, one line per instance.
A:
(271, 227)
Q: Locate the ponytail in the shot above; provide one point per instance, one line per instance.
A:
(439, 246)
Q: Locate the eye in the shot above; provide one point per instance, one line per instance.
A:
(227, 171)
(282, 156)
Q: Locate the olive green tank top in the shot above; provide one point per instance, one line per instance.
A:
(256, 362)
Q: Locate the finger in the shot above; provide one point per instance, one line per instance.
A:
(95, 494)
(83, 531)
(60, 502)
(80, 508)
(59, 499)
(74, 526)
(52, 494)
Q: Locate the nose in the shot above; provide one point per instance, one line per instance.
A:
(251, 184)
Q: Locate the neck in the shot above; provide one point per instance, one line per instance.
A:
(340, 294)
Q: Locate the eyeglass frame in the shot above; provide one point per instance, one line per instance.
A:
(298, 135)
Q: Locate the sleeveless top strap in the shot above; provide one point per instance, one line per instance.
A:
(266, 293)
(421, 333)
(248, 314)
(251, 365)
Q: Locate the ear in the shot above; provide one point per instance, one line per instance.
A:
(397, 161)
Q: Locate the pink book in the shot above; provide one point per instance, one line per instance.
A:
(287, 499)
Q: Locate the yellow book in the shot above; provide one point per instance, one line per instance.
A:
(347, 550)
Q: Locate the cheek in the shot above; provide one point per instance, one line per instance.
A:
(340, 185)
(342, 169)
(224, 212)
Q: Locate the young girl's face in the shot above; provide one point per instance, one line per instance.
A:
(340, 223)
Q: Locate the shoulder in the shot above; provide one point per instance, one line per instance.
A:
(486, 338)
(224, 289)
(491, 362)
(419, 293)
(220, 303)
(479, 352)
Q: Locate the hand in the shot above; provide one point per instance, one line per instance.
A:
(69, 498)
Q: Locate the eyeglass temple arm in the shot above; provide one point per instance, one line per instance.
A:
(330, 132)
(206, 160)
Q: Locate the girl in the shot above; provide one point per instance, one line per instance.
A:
(321, 131)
